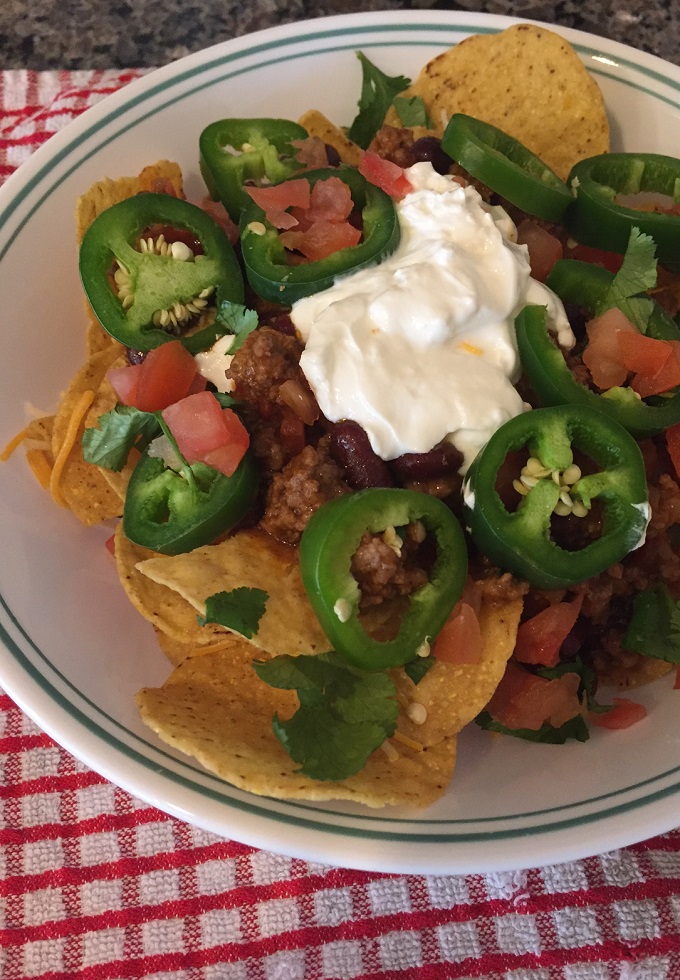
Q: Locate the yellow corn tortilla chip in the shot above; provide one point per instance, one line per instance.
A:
(642, 671)
(107, 192)
(177, 652)
(161, 606)
(36, 439)
(82, 486)
(216, 709)
(458, 692)
(318, 125)
(254, 560)
(103, 195)
(527, 81)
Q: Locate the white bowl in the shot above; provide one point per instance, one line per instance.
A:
(75, 652)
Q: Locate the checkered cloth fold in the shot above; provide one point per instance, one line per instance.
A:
(96, 884)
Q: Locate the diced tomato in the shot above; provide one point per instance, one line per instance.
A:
(197, 425)
(207, 433)
(331, 200)
(598, 256)
(544, 249)
(523, 700)
(460, 638)
(641, 354)
(311, 152)
(665, 378)
(676, 686)
(124, 382)
(198, 384)
(603, 356)
(236, 430)
(384, 174)
(322, 239)
(227, 457)
(673, 445)
(540, 638)
(166, 374)
(624, 714)
(110, 544)
(276, 200)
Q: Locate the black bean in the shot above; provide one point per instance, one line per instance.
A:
(443, 459)
(332, 155)
(429, 149)
(351, 449)
(282, 323)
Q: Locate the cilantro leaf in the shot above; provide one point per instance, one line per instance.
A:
(575, 728)
(231, 318)
(121, 429)
(411, 111)
(636, 275)
(344, 713)
(238, 320)
(377, 92)
(225, 399)
(654, 626)
(240, 610)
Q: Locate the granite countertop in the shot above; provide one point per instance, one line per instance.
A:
(142, 33)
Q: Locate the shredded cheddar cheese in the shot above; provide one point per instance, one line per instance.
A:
(40, 466)
(13, 444)
(79, 412)
(410, 742)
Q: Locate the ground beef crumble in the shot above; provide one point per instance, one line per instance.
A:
(309, 480)
(394, 144)
(384, 573)
(267, 359)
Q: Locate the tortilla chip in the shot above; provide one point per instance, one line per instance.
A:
(318, 125)
(456, 693)
(105, 401)
(642, 671)
(103, 195)
(215, 708)
(254, 560)
(81, 486)
(527, 81)
(161, 606)
(177, 652)
(107, 192)
(38, 433)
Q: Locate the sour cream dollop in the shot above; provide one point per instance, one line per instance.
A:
(421, 347)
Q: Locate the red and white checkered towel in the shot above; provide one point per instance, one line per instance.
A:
(96, 884)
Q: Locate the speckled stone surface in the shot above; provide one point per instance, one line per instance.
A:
(43, 34)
